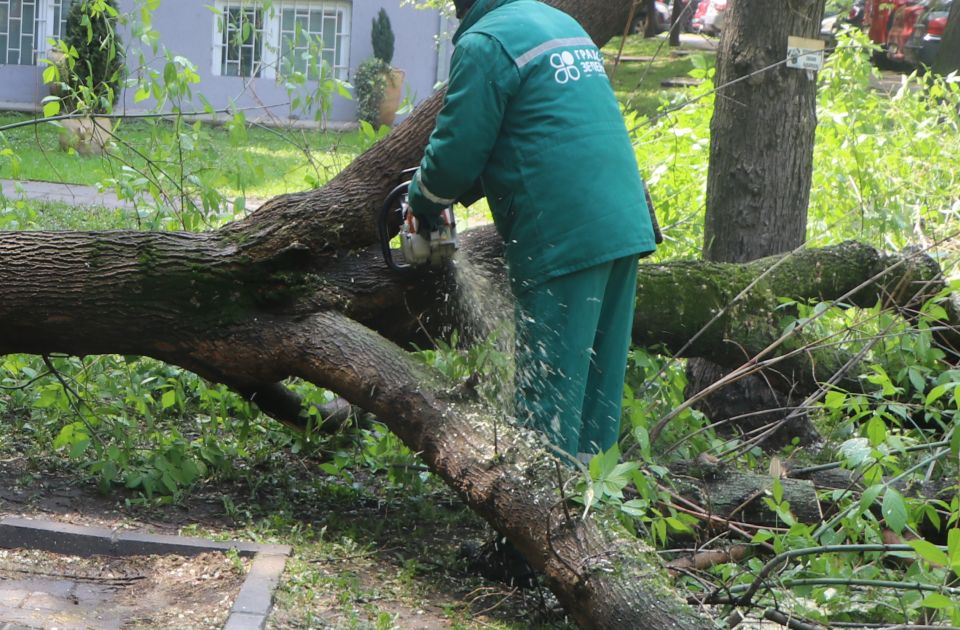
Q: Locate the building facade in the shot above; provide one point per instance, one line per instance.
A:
(242, 49)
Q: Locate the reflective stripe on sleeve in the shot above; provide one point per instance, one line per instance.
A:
(547, 46)
(429, 195)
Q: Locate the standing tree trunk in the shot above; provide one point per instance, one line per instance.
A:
(650, 28)
(948, 57)
(761, 161)
(678, 17)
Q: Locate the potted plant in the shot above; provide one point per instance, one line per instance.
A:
(378, 84)
(91, 72)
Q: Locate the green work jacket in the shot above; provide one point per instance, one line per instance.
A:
(530, 112)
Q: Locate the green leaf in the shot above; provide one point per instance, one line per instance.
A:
(169, 73)
(869, 496)
(634, 507)
(65, 436)
(938, 600)
(935, 394)
(876, 431)
(168, 399)
(929, 552)
(50, 74)
(916, 379)
(894, 510)
(834, 399)
(79, 447)
(777, 491)
(855, 451)
(953, 548)
(51, 108)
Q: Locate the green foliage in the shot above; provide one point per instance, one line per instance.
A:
(382, 38)
(95, 56)
(370, 83)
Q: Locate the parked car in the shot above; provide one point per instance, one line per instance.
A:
(877, 18)
(921, 48)
(709, 17)
(902, 25)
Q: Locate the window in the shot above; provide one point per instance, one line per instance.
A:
(241, 41)
(317, 22)
(18, 31)
(253, 40)
(26, 26)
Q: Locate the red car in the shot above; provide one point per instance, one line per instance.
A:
(889, 23)
(877, 18)
(902, 25)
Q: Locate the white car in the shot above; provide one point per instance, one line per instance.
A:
(709, 17)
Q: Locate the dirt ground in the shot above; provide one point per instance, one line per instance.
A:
(370, 558)
(165, 592)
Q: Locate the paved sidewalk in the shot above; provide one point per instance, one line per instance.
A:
(76, 194)
(64, 604)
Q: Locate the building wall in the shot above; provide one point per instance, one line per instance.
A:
(188, 28)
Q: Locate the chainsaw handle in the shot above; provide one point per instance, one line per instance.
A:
(392, 203)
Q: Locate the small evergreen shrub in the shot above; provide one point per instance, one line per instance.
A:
(381, 35)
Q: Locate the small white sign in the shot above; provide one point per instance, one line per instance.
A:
(805, 54)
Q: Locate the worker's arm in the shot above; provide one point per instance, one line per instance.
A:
(482, 77)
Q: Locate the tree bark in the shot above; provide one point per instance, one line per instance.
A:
(948, 56)
(650, 25)
(761, 163)
(731, 495)
(678, 18)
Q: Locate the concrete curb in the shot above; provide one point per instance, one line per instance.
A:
(252, 605)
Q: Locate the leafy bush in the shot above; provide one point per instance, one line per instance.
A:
(95, 55)
(370, 82)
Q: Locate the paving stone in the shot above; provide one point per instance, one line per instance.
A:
(256, 596)
(245, 621)
(52, 587)
(11, 595)
(93, 594)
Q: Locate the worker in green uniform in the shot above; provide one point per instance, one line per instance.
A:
(531, 114)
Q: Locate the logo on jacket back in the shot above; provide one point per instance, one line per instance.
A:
(570, 66)
(566, 68)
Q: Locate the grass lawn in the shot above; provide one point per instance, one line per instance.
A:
(264, 162)
(637, 83)
(261, 162)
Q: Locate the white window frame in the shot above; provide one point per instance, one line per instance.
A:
(219, 22)
(272, 42)
(45, 29)
(341, 10)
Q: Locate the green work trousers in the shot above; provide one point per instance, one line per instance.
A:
(573, 334)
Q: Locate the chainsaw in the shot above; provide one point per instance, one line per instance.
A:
(417, 247)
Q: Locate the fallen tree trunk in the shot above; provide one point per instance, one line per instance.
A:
(727, 494)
